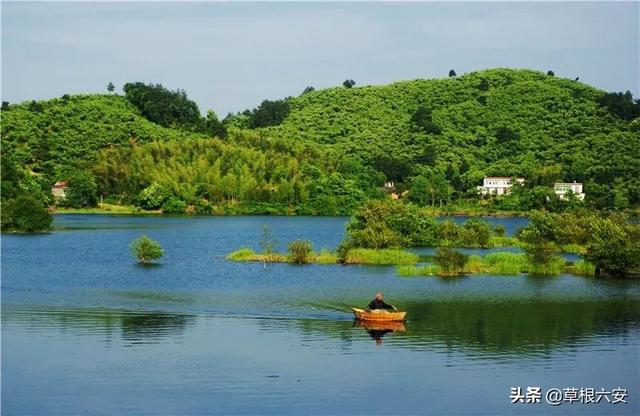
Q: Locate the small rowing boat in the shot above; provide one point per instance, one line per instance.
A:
(378, 315)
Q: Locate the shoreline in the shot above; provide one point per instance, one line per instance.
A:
(133, 210)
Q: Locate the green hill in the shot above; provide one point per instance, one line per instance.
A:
(494, 122)
(48, 135)
(327, 150)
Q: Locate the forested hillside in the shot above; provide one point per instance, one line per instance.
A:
(495, 122)
(326, 151)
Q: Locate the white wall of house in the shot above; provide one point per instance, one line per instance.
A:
(497, 185)
(561, 190)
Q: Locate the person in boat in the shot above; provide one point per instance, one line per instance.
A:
(379, 304)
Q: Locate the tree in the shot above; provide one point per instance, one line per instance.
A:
(35, 107)
(451, 262)
(270, 113)
(153, 196)
(307, 90)
(420, 192)
(422, 120)
(452, 73)
(506, 134)
(621, 105)
(162, 106)
(484, 84)
(111, 87)
(146, 250)
(267, 242)
(613, 248)
(299, 251)
(174, 205)
(82, 191)
(213, 126)
(25, 213)
(348, 83)
(551, 73)
(5, 105)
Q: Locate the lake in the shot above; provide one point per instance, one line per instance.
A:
(87, 330)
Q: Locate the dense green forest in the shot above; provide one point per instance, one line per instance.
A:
(327, 151)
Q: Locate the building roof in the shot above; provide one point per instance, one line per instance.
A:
(502, 177)
(60, 184)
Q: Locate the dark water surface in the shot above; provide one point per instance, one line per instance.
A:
(85, 330)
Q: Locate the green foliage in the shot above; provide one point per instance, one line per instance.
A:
(348, 83)
(613, 247)
(553, 267)
(583, 268)
(504, 263)
(82, 190)
(242, 254)
(24, 213)
(529, 120)
(422, 120)
(386, 224)
(499, 230)
(410, 270)
(477, 233)
(153, 196)
(380, 256)
(327, 151)
(174, 205)
(111, 87)
(300, 251)
(162, 106)
(621, 105)
(146, 250)
(213, 126)
(270, 113)
(451, 262)
(307, 90)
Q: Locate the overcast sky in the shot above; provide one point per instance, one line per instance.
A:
(229, 57)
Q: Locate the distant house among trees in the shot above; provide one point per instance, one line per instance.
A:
(561, 190)
(497, 185)
(58, 190)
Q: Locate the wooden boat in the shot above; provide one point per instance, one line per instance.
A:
(378, 315)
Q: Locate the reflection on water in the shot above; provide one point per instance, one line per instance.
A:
(134, 327)
(377, 330)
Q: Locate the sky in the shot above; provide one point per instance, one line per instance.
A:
(231, 56)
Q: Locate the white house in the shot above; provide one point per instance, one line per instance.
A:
(561, 189)
(58, 190)
(497, 185)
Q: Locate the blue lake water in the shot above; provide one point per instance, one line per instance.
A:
(87, 330)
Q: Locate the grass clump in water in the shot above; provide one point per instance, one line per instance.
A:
(505, 263)
(552, 267)
(247, 254)
(410, 270)
(387, 256)
(582, 268)
(325, 257)
(242, 254)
